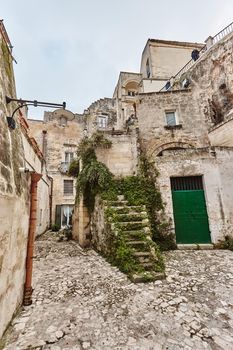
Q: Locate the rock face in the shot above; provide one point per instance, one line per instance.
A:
(82, 302)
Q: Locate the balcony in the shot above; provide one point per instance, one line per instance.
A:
(64, 167)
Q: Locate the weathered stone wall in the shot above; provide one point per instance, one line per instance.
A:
(14, 199)
(125, 100)
(168, 58)
(217, 179)
(222, 134)
(56, 136)
(98, 227)
(165, 57)
(104, 107)
(211, 81)
(43, 204)
(81, 224)
(121, 157)
(34, 161)
(192, 128)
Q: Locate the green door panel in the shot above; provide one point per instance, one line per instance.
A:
(190, 215)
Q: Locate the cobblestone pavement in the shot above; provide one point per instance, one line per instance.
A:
(81, 302)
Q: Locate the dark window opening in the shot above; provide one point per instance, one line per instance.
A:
(186, 183)
(68, 188)
(148, 68)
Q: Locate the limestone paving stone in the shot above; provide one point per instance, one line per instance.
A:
(81, 302)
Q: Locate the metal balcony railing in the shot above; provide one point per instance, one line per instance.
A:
(211, 41)
(64, 167)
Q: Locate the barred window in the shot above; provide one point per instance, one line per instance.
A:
(68, 188)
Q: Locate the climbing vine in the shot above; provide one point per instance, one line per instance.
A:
(160, 226)
(142, 190)
(94, 176)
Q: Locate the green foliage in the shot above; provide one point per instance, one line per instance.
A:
(55, 228)
(94, 176)
(142, 190)
(74, 168)
(121, 254)
(93, 179)
(226, 244)
(86, 148)
(124, 258)
(161, 232)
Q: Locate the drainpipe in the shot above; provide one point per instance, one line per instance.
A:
(50, 202)
(44, 143)
(27, 300)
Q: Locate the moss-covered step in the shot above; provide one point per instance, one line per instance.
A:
(137, 245)
(130, 217)
(128, 209)
(147, 276)
(130, 226)
(116, 203)
(135, 235)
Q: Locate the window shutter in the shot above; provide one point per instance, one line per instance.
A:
(58, 216)
(68, 187)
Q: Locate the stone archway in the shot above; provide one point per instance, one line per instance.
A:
(157, 151)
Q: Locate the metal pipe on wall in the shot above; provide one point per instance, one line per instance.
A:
(27, 300)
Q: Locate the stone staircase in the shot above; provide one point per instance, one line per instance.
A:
(134, 225)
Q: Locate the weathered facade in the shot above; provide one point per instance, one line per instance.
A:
(185, 129)
(58, 136)
(19, 158)
(179, 129)
(162, 59)
(34, 161)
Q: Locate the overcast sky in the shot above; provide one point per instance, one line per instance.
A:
(73, 50)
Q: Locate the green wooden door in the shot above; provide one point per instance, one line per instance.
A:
(190, 215)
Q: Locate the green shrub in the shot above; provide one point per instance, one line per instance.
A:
(55, 228)
(73, 168)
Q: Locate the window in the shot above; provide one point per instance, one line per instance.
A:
(63, 121)
(102, 122)
(171, 118)
(148, 68)
(66, 215)
(69, 156)
(131, 93)
(68, 188)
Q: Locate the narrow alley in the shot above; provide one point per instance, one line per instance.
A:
(81, 302)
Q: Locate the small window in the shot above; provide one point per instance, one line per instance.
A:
(148, 68)
(63, 121)
(131, 93)
(171, 118)
(68, 187)
(102, 122)
(69, 156)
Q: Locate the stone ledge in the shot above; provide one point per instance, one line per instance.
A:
(195, 246)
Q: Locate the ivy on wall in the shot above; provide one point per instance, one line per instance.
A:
(95, 178)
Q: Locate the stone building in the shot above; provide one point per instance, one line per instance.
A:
(180, 107)
(58, 136)
(182, 130)
(177, 110)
